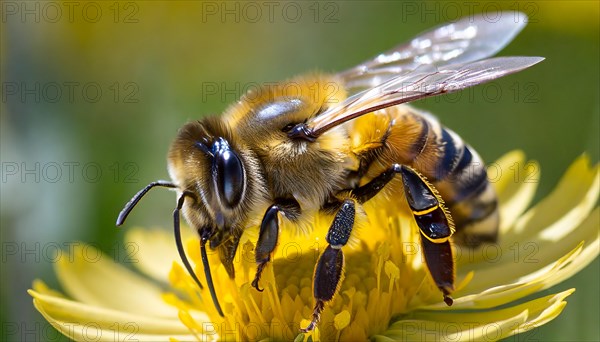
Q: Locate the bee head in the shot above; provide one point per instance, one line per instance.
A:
(208, 160)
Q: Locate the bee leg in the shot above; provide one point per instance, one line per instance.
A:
(436, 227)
(440, 263)
(267, 240)
(434, 221)
(269, 234)
(329, 269)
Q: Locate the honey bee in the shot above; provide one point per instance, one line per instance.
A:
(286, 152)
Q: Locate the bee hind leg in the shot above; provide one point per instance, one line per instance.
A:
(269, 234)
(440, 263)
(433, 219)
(436, 226)
(329, 269)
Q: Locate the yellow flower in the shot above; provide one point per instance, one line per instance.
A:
(387, 294)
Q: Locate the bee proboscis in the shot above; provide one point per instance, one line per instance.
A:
(286, 152)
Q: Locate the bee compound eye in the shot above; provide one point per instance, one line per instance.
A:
(230, 177)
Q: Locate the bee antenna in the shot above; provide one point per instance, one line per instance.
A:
(178, 241)
(137, 197)
(209, 281)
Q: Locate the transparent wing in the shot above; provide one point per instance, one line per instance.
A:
(424, 82)
(469, 39)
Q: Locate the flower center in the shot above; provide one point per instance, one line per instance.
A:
(383, 278)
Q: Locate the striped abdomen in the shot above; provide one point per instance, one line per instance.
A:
(417, 139)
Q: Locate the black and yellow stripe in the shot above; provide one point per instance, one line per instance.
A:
(427, 207)
(468, 193)
(418, 140)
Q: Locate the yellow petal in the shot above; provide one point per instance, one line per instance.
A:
(153, 251)
(41, 287)
(341, 320)
(499, 176)
(569, 203)
(478, 325)
(453, 330)
(504, 294)
(93, 278)
(515, 181)
(539, 279)
(589, 253)
(86, 322)
(526, 249)
(526, 260)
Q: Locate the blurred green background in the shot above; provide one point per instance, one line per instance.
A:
(94, 92)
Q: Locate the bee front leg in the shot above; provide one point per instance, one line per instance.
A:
(329, 269)
(267, 240)
(433, 219)
(269, 234)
